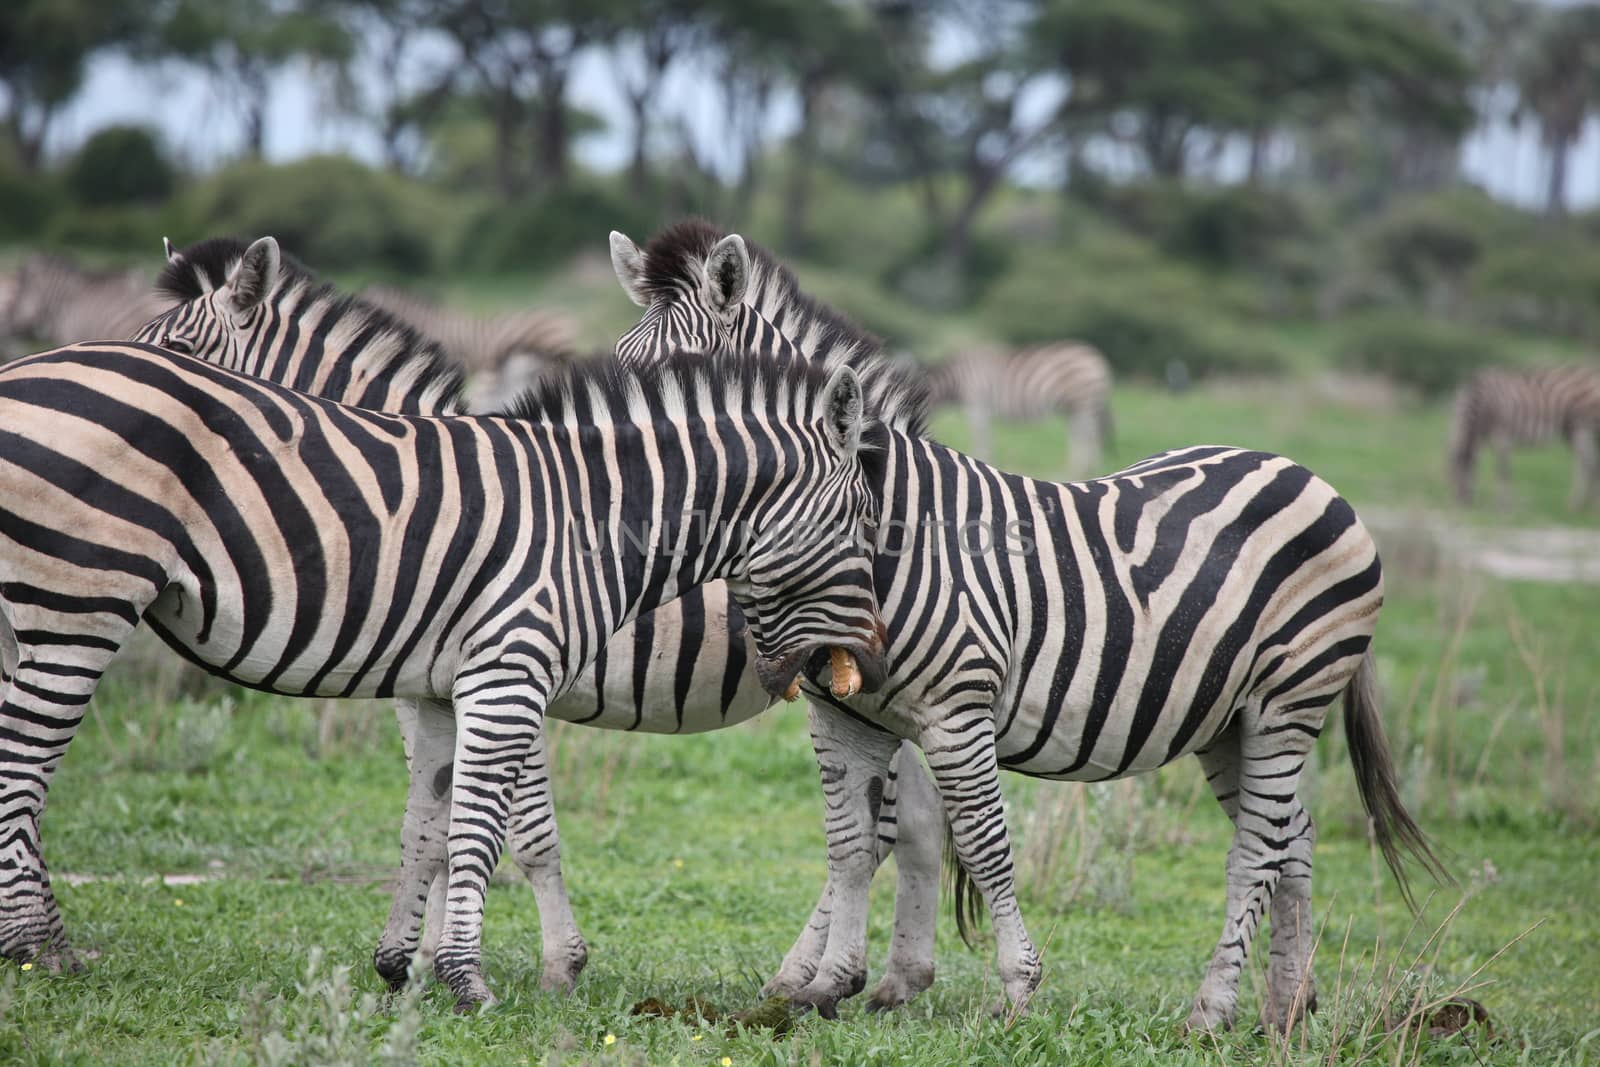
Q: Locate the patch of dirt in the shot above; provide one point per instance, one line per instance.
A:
(1427, 540)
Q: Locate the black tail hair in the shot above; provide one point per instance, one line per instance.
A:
(1392, 826)
(966, 903)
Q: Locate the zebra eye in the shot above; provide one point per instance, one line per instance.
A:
(177, 344)
(869, 532)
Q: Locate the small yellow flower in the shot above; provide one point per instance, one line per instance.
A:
(27, 966)
(611, 1039)
(178, 902)
(678, 864)
(697, 1037)
(727, 1061)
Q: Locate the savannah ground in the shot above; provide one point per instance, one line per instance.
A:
(693, 861)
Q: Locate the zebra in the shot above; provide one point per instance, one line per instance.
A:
(1527, 407)
(53, 301)
(1067, 378)
(683, 668)
(1207, 600)
(299, 546)
(504, 353)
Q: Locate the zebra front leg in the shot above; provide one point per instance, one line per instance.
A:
(429, 729)
(961, 754)
(917, 817)
(496, 728)
(853, 760)
(52, 676)
(1272, 835)
(536, 847)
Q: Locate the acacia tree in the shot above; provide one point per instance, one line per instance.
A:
(44, 47)
(241, 45)
(1558, 78)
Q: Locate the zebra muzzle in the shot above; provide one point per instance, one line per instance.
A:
(846, 679)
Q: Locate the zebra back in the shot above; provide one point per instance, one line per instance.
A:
(1064, 376)
(258, 311)
(482, 342)
(54, 301)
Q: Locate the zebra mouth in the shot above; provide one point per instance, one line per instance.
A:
(837, 666)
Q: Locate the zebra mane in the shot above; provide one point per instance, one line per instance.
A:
(404, 353)
(895, 394)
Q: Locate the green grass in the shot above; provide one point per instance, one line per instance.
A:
(693, 861)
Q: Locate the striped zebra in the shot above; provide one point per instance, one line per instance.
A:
(1066, 378)
(683, 668)
(1506, 408)
(1208, 600)
(52, 301)
(504, 353)
(475, 564)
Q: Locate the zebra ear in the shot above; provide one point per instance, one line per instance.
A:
(727, 275)
(627, 259)
(255, 276)
(170, 252)
(842, 406)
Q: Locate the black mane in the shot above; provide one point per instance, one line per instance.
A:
(206, 266)
(673, 260)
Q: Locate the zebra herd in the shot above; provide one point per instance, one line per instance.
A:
(743, 503)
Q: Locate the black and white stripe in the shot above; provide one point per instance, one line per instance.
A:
(50, 301)
(1210, 600)
(300, 546)
(1506, 408)
(686, 667)
(1066, 378)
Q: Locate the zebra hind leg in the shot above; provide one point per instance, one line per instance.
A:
(431, 748)
(50, 677)
(1254, 770)
(536, 847)
(912, 810)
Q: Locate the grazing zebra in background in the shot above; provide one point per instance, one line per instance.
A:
(1209, 600)
(1066, 378)
(1505, 408)
(50, 301)
(683, 668)
(504, 353)
(304, 547)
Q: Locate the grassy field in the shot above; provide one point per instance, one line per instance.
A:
(693, 861)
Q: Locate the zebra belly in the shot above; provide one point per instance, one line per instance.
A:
(683, 668)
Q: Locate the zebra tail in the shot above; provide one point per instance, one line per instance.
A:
(1392, 826)
(965, 900)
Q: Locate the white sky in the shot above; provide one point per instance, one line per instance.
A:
(197, 121)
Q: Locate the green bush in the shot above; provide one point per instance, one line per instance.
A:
(330, 211)
(1551, 285)
(28, 204)
(1232, 226)
(131, 228)
(1144, 312)
(546, 230)
(1429, 355)
(120, 165)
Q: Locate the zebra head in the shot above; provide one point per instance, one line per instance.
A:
(690, 306)
(806, 583)
(223, 288)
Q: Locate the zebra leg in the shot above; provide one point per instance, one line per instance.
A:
(1502, 455)
(853, 759)
(496, 729)
(1272, 834)
(1584, 463)
(51, 676)
(536, 846)
(961, 754)
(916, 816)
(430, 748)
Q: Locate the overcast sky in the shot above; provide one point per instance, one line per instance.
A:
(197, 121)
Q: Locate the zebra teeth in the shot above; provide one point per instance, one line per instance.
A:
(846, 680)
(792, 693)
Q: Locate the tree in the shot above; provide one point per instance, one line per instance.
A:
(44, 46)
(1558, 77)
(241, 44)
